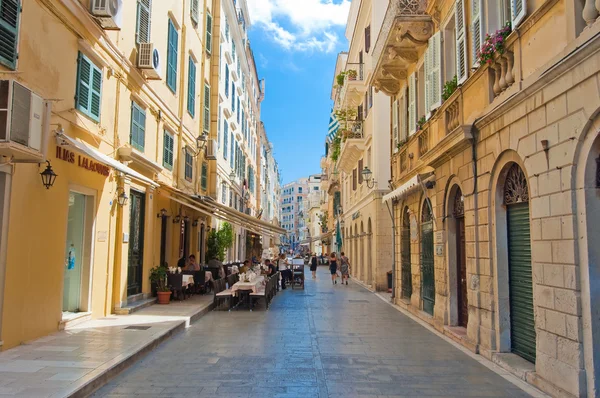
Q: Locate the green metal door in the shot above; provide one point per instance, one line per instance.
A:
(136, 243)
(427, 266)
(405, 255)
(522, 327)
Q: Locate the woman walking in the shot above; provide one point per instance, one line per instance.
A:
(333, 268)
(313, 265)
(344, 267)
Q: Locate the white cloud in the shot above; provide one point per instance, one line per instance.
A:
(311, 22)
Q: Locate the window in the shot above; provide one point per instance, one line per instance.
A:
(238, 110)
(172, 51)
(206, 108)
(204, 176)
(191, 104)
(421, 92)
(360, 169)
(227, 80)
(168, 150)
(219, 128)
(194, 11)
(208, 33)
(450, 49)
(138, 127)
(225, 137)
(232, 96)
(367, 38)
(477, 30)
(89, 87)
(412, 104)
(433, 75)
(226, 29)
(231, 159)
(142, 33)
(189, 165)
(233, 50)
(354, 178)
(461, 41)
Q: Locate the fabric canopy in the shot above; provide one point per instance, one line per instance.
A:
(65, 140)
(403, 189)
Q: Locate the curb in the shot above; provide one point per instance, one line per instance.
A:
(104, 375)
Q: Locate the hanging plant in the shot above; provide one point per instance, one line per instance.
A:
(493, 44)
(340, 78)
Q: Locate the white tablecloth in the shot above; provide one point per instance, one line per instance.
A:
(188, 280)
(254, 285)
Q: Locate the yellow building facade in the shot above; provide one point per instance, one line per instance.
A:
(495, 175)
(123, 102)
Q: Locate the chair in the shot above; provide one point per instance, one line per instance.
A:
(261, 293)
(175, 282)
(199, 282)
(298, 276)
(222, 293)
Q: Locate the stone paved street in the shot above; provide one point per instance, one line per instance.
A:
(326, 341)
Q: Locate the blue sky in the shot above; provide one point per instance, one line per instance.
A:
(296, 55)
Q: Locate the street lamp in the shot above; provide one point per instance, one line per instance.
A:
(122, 198)
(368, 177)
(232, 176)
(48, 176)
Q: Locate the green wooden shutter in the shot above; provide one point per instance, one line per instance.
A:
(225, 138)
(206, 108)
(172, 52)
(89, 87)
(143, 21)
(522, 326)
(168, 150)
(204, 177)
(192, 87)
(208, 33)
(138, 127)
(194, 11)
(10, 12)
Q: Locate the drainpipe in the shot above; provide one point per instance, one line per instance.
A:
(393, 250)
(474, 135)
(6, 170)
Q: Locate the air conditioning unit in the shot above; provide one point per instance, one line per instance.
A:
(149, 60)
(108, 12)
(24, 123)
(211, 150)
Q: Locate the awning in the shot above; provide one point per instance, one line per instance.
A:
(64, 140)
(402, 190)
(218, 208)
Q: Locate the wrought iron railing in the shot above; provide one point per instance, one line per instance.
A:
(352, 130)
(412, 7)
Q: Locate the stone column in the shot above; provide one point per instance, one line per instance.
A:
(5, 191)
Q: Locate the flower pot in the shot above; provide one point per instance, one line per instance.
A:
(164, 297)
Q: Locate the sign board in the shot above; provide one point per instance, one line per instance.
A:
(439, 250)
(101, 236)
(82, 161)
(439, 237)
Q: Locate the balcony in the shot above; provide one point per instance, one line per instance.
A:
(406, 29)
(353, 145)
(354, 87)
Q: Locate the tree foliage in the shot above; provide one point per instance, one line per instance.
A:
(219, 241)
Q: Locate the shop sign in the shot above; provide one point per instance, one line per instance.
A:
(82, 161)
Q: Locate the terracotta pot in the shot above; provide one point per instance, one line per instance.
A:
(164, 297)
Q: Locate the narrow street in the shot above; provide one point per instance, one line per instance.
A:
(325, 341)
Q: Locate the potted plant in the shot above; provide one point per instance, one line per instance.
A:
(352, 74)
(158, 276)
(340, 79)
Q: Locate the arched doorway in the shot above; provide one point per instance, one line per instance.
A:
(522, 325)
(363, 263)
(458, 211)
(427, 263)
(405, 255)
(369, 252)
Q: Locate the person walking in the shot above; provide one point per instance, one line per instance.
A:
(344, 267)
(313, 265)
(333, 269)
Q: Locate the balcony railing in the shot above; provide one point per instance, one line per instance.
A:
(423, 142)
(412, 7)
(358, 67)
(453, 114)
(591, 10)
(352, 130)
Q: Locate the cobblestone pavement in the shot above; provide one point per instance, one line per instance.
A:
(325, 341)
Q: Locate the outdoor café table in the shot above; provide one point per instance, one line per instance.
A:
(246, 288)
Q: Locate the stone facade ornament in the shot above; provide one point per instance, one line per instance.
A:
(515, 186)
